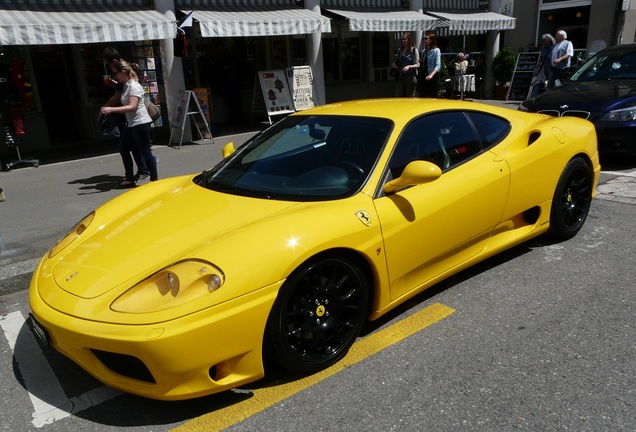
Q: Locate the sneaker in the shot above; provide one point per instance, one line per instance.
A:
(143, 177)
(127, 183)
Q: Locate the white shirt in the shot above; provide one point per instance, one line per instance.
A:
(140, 116)
(559, 50)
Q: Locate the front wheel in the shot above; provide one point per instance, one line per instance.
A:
(317, 316)
(572, 199)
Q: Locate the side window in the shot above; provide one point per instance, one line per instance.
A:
(492, 130)
(445, 139)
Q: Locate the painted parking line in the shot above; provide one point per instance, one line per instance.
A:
(266, 397)
(48, 398)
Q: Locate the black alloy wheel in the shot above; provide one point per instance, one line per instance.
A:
(572, 200)
(317, 316)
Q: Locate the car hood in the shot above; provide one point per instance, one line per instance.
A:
(148, 229)
(592, 96)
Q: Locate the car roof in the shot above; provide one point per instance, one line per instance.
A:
(626, 47)
(400, 108)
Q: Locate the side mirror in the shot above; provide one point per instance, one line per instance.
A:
(228, 149)
(416, 172)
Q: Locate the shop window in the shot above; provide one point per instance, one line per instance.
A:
(342, 56)
(574, 20)
(223, 64)
(299, 51)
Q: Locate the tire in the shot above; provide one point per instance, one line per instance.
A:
(317, 316)
(572, 199)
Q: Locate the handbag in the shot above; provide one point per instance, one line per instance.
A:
(108, 126)
(394, 72)
(153, 111)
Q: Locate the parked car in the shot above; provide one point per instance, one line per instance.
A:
(331, 217)
(603, 91)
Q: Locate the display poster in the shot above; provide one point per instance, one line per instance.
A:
(522, 76)
(180, 113)
(203, 97)
(302, 87)
(276, 92)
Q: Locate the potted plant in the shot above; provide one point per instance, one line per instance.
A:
(503, 66)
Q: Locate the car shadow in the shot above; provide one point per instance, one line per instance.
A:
(122, 409)
(97, 184)
(616, 162)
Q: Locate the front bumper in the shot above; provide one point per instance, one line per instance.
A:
(616, 140)
(199, 354)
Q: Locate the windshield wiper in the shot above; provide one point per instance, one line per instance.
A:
(235, 190)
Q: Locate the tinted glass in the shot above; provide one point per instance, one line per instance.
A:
(445, 139)
(607, 66)
(303, 158)
(491, 129)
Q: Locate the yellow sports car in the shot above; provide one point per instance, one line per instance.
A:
(331, 217)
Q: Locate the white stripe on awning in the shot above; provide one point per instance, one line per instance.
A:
(386, 20)
(255, 20)
(47, 23)
(472, 22)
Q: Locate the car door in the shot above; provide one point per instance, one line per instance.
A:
(430, 228)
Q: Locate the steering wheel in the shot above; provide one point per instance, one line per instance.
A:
(351, 167)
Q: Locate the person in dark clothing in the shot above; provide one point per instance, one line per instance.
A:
(429, 80)
(407, 62)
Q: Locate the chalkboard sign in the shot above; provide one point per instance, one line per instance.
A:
(526, 61)
(522, 76)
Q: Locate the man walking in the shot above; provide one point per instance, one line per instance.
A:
(562, 54)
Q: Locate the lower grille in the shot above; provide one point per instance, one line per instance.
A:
(125, 365)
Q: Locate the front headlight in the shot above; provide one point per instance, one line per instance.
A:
(72, 235)
(171, 287)
(620, 115)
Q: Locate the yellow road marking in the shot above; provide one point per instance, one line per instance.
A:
(266, 397)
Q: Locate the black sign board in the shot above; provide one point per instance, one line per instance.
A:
(522, 76)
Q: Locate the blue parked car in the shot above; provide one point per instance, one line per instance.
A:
(603, 91)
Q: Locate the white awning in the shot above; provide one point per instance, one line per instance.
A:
(42, 22)
(258, 20)
(476, 22)
(385, 20)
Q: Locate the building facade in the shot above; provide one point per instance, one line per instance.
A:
(51, 69)
(590, 24)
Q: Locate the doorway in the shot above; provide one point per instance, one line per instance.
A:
(58, 90)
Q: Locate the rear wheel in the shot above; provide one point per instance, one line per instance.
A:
(572, 199)
(317, 316)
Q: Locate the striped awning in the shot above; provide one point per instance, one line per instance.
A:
(48, 22)
(471, 22)
(447, 5)
(385, 20)
(258, 20)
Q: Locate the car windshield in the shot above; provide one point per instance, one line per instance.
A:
(303, 158)
(608, 66)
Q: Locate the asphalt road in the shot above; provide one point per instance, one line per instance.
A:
(539, 338)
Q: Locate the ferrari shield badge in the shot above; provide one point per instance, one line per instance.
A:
(364, 217)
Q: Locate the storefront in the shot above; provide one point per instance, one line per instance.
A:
(349, 49)
(349, 45)
(52, 54)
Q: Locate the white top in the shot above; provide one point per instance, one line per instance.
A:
(140, 116)
(562, 48)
